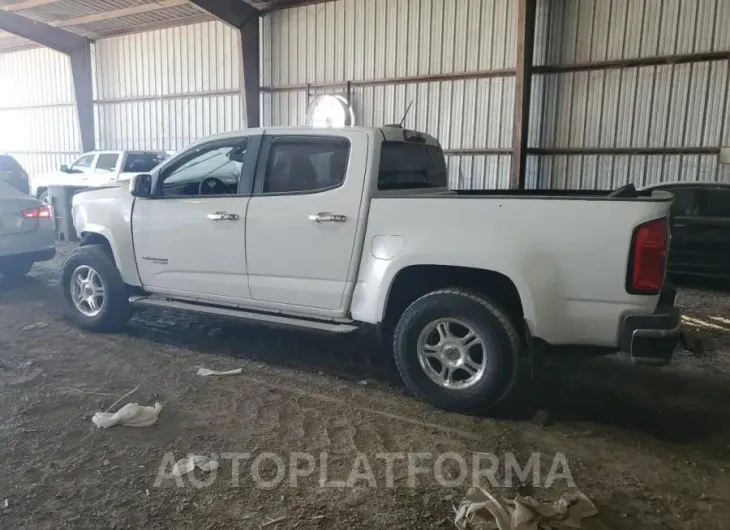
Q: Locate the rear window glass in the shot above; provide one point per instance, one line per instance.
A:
(142, 162)
(8, 163)
(405, 165)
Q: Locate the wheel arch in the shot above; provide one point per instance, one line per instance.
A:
(413, 281)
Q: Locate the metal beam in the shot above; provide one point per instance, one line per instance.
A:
(83, 89)
(79, 51)
(233, 12)
(246, 18)
(28, 4)
(40, 33)
(250, 73)
(526, 14)
(135, 9)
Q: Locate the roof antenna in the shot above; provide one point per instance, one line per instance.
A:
(406, 114)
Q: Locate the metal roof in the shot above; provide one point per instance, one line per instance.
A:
(102, 18)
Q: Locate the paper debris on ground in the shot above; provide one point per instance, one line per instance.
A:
(481, 510)
(205, 372)
(130, 415)
(37, 325)
(189, 463)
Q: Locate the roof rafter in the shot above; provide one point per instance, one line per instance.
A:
(55, 38)
(116, 13)
(28, 4)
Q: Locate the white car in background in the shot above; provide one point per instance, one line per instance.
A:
(97, 168)
(27, 234)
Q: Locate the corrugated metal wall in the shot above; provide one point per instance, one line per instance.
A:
(166, 88)
(667, 106)
(451, 58)
(382, 45)
(38, 122)
(454, 59)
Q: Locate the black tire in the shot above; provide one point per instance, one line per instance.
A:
(115, 310)
(501, 349)
(16, 269)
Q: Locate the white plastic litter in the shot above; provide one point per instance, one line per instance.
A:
(37, 325)
(481, 510)
(205, 372)
(130, 415)
(187, 464)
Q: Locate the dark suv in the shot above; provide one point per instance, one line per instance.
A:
(13, 173)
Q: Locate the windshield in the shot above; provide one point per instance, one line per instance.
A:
(142, 162)
(405, 165)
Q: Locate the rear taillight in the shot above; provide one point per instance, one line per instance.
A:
(43, 212)
(648, 258)
(23, 174)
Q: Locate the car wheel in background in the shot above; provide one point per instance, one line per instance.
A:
(457, 350)
(94, 295)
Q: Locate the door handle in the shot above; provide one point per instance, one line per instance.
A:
(326, 217)
(223, 216)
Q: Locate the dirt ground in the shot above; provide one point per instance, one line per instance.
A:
(651, 447)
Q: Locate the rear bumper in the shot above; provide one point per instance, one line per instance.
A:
(36, 256)
(652, 339)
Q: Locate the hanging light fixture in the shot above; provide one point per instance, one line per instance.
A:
(330, 110)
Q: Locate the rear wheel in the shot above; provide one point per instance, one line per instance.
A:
(16, 269)
(94, 295)
(457, 350)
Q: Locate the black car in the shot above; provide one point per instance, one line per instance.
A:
(700, 229)
(13, 173)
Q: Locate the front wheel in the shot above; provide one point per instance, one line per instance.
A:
(94, 295)
(457, 350)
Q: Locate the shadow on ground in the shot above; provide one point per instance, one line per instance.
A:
(668, 404)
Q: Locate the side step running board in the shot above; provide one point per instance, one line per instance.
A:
(242, 314)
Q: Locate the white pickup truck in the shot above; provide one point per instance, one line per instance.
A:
(94, 169)
(355, 228)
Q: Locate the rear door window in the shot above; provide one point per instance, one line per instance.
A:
(107, 162)
(407, 165)
(305, 165)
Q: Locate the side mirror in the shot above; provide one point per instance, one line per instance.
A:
(65, 168)
(141, 185)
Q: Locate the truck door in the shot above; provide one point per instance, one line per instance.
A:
(303, 218)
(105, 169)
(190, 237)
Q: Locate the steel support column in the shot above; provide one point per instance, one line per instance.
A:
(526, 13)
(246, 19)
(84, 91)
(250, 72)
(78, 49)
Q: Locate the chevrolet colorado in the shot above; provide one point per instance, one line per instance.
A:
(341, 229)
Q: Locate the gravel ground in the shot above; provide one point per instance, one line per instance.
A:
(650, 446)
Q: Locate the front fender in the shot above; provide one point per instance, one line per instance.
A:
(107, 212)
